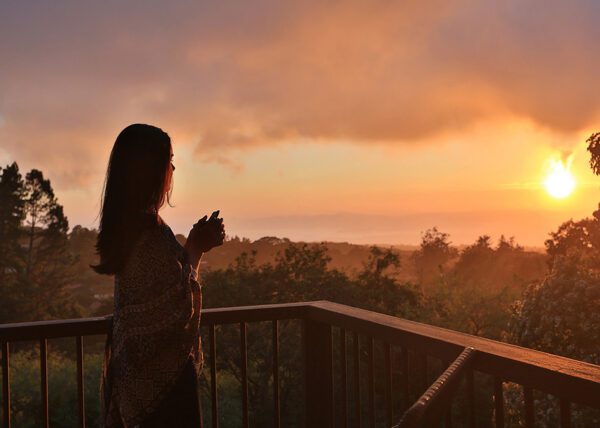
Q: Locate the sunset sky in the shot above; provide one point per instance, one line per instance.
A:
(360, 121)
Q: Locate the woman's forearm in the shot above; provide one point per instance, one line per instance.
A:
(195, 260)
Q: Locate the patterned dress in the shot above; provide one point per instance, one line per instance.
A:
(154, 355)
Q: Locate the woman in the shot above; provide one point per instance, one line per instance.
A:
(153, 351)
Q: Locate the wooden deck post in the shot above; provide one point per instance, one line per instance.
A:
(319, 375)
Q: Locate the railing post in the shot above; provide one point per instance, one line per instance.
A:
(319, 374)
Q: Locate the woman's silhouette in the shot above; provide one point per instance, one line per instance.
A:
(153, 351)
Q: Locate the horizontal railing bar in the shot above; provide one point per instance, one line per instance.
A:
(99, 325)
(576, 381)
(55, 328)
(237, 314)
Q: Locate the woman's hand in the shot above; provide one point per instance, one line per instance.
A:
(205, 235)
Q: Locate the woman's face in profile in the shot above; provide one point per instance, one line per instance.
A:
(170, 170)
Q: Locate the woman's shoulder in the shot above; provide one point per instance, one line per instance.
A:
(157, 239)
(152, 254)
(150, 235)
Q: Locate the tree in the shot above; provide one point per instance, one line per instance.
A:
(82, 242)
(40, 203)
(507, 244)
(11, 216)
(594, 149)
(480, 288)
(580, 237)
(562, 313)
(435, 251)
(37, 255)
(377, 289)
(472, 258)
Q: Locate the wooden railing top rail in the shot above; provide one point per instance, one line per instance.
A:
(99, 325)
(36, 330)
(573, 380)
(237, 314)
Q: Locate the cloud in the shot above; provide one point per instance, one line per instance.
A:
(236, 74)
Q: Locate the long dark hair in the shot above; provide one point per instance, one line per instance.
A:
(134, 191)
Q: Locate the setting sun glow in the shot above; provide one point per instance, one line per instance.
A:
(559, 183)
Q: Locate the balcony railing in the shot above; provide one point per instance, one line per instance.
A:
(461, 355)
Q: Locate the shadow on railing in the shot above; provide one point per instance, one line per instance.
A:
(568, 380)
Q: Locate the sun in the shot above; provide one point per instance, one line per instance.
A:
(559, 183)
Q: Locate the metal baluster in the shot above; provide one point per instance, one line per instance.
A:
(213, 376)
(244, 358)
(357, 406)
(529, 415)
(448, 416)
(499, 403)
(6, 384)
(332, 378)
(319, 374)
(370, 350)
(304, 349)
(343, 368)
(80, 384)
(423, 371)
(387, 352)
(405, 385)
(471, 398)
(44, 380)
(565, 414)
(277, 414)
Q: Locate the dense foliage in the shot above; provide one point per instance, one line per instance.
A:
(562, 313)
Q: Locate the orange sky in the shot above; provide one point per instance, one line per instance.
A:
(360, 121)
